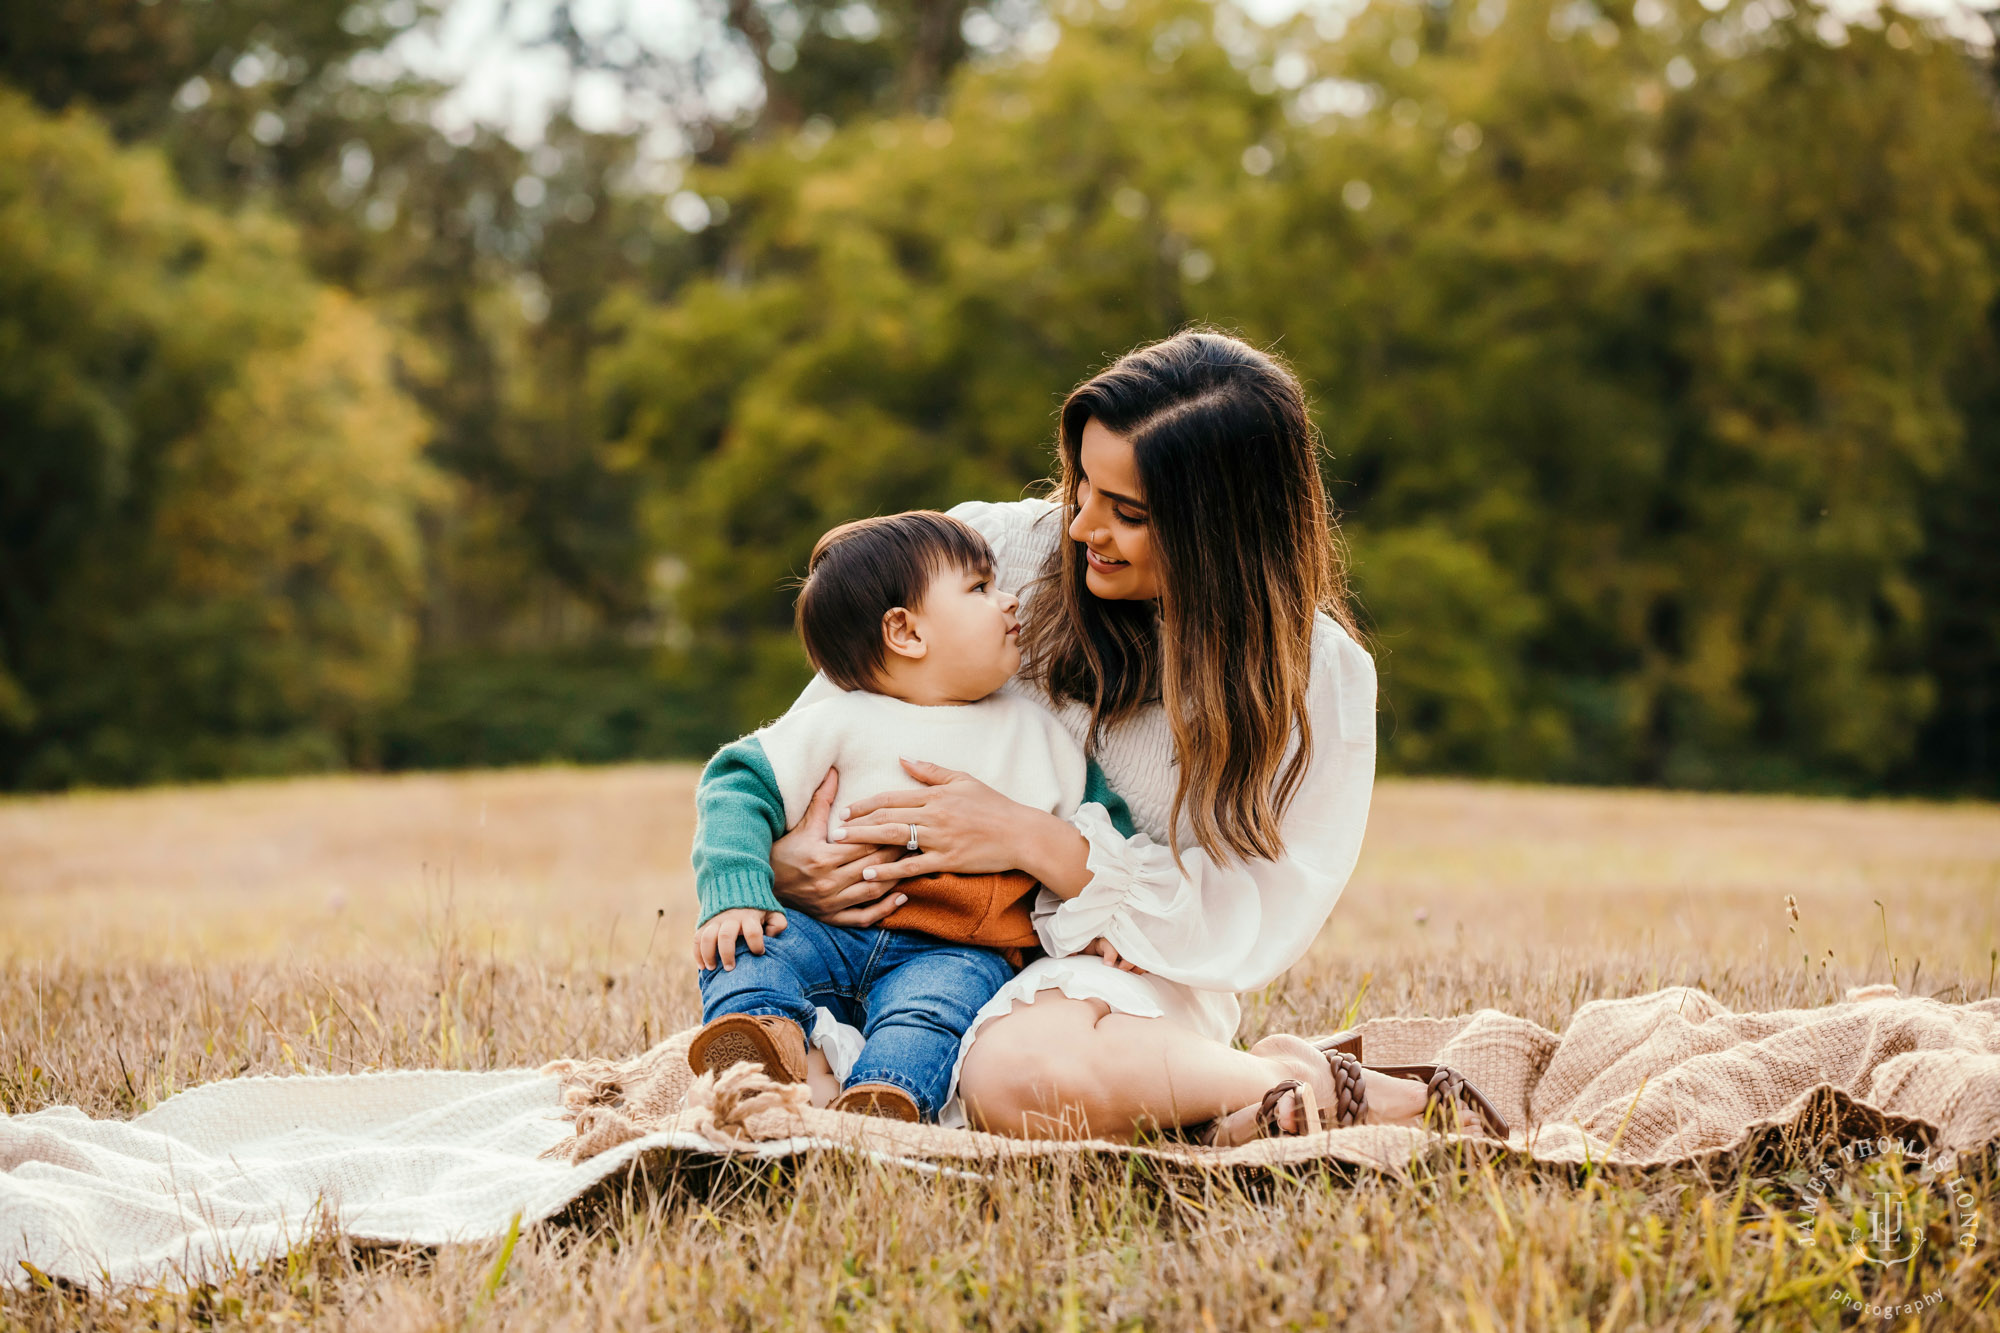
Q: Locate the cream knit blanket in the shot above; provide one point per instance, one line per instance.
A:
(235, 1171)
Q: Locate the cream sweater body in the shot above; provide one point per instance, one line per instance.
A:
(1006, 740)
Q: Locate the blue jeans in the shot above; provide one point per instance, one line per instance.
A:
(912, 995)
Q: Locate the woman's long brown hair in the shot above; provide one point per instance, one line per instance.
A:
(1245, 543)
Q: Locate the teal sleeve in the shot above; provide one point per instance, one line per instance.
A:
(738, 814)
(1095, 788)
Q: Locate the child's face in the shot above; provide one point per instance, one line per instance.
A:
(970, 633)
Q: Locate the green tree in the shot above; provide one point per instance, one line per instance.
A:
(210, 486)
(1654, 345)
(1640, 349)
(1450, 638)
(1681, 360)
(901, 307)
(494, 255)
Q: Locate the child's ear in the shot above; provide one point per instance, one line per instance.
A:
(900, 633)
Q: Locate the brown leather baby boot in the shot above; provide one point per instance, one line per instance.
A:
(776, 1045)
(883, 1099)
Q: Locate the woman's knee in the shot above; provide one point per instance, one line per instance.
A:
(1029, 1073)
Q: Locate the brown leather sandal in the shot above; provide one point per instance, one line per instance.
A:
(1266, 1124)
(775, 1045)
(1448, 1093)
(1350, 1096)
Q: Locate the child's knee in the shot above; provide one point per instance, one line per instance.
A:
(761, 979)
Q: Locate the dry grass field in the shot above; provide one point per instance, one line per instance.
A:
(157, 940)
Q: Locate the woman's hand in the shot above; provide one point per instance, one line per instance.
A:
(966, 827)
(823, 879)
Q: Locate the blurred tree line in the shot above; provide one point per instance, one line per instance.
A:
(1654, 345)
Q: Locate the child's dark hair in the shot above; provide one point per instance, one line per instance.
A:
(860, 571)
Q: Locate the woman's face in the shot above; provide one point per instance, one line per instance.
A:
(1110, 520)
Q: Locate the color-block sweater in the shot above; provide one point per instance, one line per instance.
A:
(755, 788)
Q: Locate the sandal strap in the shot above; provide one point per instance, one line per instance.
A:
(1267, 1109)
(1445, 1086)
(1448, 1087)
(1266, 1123)
(1350, 1090)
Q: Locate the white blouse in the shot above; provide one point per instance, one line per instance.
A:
(1228, 925)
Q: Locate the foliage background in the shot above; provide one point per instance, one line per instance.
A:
(1653, 344)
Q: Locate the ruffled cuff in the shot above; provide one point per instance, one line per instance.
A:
(1118, 866)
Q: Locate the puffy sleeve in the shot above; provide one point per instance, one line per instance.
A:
(1235, 924)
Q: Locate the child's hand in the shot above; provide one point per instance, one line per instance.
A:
(716, 936)
(1103, 949)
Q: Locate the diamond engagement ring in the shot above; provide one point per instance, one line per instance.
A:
(912, 843)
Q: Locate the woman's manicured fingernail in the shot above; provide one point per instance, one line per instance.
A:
(846, 813)
(869, 873)
(902, 898)
(840, 835)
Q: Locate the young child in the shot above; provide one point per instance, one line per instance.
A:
(903, 614)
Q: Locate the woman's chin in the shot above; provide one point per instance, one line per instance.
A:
(1103, 585)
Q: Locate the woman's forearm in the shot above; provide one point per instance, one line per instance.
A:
(1054, 853)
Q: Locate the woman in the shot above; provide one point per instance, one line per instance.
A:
(1184, 615)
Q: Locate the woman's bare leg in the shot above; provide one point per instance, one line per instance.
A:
(1060, 1067)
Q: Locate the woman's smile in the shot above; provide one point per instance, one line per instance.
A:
(1099, 562)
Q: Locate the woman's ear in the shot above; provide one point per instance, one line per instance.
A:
(901, 634)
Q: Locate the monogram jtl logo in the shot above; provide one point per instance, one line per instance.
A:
(1885, 1231)
(1886, 1222)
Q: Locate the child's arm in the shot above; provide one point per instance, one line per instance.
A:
(1097, 788)
(1078, 777)
(738, 815)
